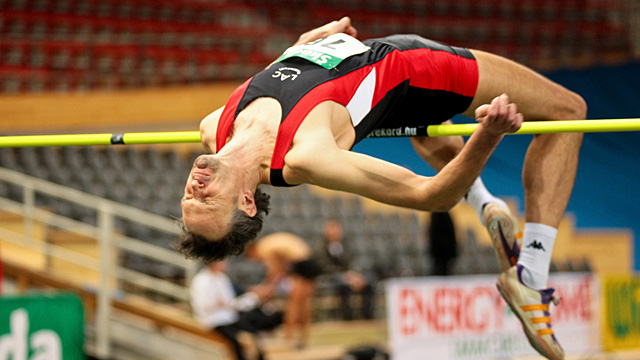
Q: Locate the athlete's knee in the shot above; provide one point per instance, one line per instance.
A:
(573, 107)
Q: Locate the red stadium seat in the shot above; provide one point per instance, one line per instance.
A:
(132, 43)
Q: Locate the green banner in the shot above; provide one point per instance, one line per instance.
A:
(41, 327)
(621, 320)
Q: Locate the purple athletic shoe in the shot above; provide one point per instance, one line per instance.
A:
(503, 229)
(532, 308)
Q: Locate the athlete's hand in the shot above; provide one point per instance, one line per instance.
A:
(500, 116)
(340, 26)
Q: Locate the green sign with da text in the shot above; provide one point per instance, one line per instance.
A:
(41, 327)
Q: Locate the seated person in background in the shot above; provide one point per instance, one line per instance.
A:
(287, 255)
(216, 306)
(338, 264)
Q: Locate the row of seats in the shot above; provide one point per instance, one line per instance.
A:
(587, 10)
(82, 45)
(147, 178)
(537, 33)
(110, 44)
(40, 25)
(161, 10)
(390, 244)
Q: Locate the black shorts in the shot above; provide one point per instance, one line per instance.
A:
(442, 81)
(308, 269)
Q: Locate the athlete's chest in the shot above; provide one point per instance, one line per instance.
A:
(327, 117)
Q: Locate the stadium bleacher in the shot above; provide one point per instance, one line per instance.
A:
(70, 45)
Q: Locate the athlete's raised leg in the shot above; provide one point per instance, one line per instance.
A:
(548, 175)
(551, 161)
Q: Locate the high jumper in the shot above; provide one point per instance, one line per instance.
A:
(296, 121)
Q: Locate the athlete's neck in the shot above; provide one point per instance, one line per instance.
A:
(251, 146)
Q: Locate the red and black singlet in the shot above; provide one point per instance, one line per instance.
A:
(402, 84)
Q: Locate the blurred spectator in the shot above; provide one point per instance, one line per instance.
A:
(216, 305)
(443, 244)
(287, 256)
(338, 264)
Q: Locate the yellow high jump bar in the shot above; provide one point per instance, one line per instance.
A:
(545, 127)
(531, 127)
(178, 137)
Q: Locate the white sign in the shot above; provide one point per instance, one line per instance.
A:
(327, 52)
(464, 317)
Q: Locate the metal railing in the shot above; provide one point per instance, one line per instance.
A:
(110, 243)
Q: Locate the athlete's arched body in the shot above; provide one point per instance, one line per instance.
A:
(273, 131)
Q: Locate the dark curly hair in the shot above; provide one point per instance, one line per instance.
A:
(243, 229)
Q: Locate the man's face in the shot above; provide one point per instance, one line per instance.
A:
(209, 199)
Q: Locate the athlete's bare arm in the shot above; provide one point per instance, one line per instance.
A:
(322, 163)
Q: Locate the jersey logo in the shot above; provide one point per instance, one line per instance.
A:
(285, 73)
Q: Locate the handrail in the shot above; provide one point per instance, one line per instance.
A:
(108, 241)
(81, 198)
(52, 250)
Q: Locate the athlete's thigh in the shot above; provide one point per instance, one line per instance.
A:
(536, 97)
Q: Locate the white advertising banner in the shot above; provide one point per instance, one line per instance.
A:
(464, 317)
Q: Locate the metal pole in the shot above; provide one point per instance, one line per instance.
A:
(29, 198)
(103, 311)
